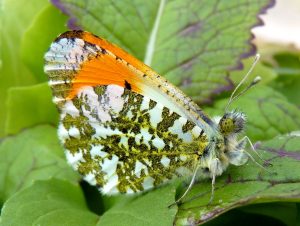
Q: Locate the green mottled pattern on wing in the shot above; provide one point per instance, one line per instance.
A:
(125, 142)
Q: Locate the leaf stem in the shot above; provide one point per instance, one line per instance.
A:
(151, 43)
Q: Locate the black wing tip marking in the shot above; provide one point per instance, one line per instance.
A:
(70, 34)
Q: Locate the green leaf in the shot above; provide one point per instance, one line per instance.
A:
(13, 72)
(16, 17)
(239, 217)
(268, 113)
(248, 184)
(288, 81)
(192, 43)
(34, 154)
(51, 202)
(37, 38)
(55, 202)
(35, 105)
(285, 212)
(144, 210)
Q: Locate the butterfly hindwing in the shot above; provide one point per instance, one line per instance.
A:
(125, 142)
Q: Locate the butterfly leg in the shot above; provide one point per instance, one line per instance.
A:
(213, 181)
(188, 189)
(252, 146)
(253, 149)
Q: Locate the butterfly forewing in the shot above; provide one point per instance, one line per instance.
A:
(115, 133)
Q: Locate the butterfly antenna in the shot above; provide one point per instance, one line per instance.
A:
(254, 82)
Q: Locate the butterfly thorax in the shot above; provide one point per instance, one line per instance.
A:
(224, 146)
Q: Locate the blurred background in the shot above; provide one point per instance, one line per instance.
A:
(28, 27)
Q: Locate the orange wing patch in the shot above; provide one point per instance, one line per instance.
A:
(77, 59)
(88, 37)
(105, 70)
(111, 66)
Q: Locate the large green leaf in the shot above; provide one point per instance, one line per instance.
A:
(192, 43)
(34, 103)
(34, 154)
(268, 113)
(52, 202)
(248, 184)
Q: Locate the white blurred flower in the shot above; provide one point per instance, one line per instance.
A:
(282, 25)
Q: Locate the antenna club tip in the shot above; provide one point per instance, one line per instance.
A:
(257, 55)
(257, 79)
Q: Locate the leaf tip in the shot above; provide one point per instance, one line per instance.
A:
(252, 47)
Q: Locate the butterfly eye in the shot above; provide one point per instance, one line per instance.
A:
(226, 126)
(232, 123)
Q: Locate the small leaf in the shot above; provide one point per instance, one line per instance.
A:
(51, 202)
(34, 102)
(248, 184)
(34, 154)
(192, 43)
(268, 113)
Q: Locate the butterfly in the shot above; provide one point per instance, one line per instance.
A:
(125, 128)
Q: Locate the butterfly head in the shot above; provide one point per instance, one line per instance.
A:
(231, 125)
(225, 148)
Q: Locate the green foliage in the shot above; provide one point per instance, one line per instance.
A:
(196, 45)
(288, 81)
(34, 154)
(51, 202)
(23, 43)
(145, 210)
(28, 100)
(38, 36)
